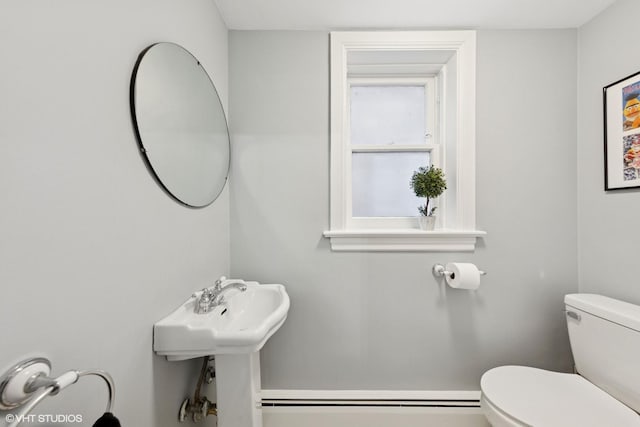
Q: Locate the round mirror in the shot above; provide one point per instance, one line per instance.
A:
(180, 124)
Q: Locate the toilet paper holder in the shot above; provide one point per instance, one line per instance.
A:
(440, 271)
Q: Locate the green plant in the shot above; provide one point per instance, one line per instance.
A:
(430, 183)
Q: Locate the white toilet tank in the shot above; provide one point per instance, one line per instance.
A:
(605, 341)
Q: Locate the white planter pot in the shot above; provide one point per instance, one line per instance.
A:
(427, 222)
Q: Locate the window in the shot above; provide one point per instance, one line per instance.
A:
(401, 100)
(391, 124)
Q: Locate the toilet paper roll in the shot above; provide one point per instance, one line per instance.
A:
(463, 275)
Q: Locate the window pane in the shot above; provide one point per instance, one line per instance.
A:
(380, 183)
(388, 115)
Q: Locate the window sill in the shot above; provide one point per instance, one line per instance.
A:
(403, 240)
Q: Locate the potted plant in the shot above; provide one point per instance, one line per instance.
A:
(429, 183)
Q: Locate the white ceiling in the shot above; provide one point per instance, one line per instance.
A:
(407, 14)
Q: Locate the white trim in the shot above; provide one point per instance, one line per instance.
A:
(410, 240)
(466, 126)
(373, 416)
(463, 44)
(381, 224)
(393, 70)
(365, 148)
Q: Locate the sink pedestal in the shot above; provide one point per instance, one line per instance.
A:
(238, 390)
(234, 331)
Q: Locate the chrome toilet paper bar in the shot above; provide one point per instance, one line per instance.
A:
(440, 271)
(18, 386)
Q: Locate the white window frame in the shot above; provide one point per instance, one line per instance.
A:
(349, 234)
(432, 147)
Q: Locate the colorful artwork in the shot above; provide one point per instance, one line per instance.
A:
(631, 156)
(631, 106)
(622, 143)
(631, 121)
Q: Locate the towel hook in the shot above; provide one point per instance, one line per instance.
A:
(18, 386)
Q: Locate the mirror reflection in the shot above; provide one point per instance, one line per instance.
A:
(180, 124)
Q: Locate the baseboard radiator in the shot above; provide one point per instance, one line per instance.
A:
(371, 408)
(354, 398)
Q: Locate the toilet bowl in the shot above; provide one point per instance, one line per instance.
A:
(516, 396)
(605, 341)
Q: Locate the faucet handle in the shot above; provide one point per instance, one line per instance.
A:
(218, 284)
(204, 301)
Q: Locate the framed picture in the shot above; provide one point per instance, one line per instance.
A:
(622, 133)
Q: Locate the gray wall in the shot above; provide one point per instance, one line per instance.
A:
(380, 320)
(92, 252)
(608, 246)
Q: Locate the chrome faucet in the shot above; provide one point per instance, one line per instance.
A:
(211, 298)
(218, 295)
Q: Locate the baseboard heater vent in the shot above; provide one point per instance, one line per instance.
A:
(288, 398)
(370, 403)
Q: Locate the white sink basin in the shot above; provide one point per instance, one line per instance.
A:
(240, 325)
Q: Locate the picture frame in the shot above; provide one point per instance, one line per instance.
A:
(621, 105)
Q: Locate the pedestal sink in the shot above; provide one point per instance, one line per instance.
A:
(234, 332)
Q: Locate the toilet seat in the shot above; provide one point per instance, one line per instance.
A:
(525, 396)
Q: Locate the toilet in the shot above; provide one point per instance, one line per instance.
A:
(605, 392)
